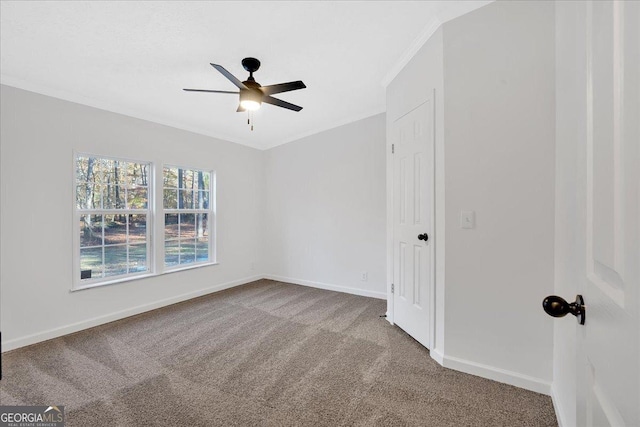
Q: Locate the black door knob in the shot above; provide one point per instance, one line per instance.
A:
(556, 306)
(424, 237)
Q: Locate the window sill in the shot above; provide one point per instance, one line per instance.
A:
(187, 267)
(141, 276)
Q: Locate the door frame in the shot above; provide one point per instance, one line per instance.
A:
(390, 229)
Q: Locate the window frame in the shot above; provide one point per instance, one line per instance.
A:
(155, 227)
(211, 220)
(77, 282)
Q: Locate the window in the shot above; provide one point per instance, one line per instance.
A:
(115, 220)
(112, 213)
(187, 216)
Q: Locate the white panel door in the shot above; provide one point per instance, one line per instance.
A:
(412, 136)
(608, 344)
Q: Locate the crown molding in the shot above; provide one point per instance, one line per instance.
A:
(113, 108)
(456, 10)
(331, 125)
(142, 115)
(411, 51)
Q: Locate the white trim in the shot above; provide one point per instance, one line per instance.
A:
(143, 115)
(100, 320)
(132, 277)
(213, 225)
(432, 284)
(389, 220)
(389, 319)
(327, 286)
(557, 408)
(332, 125)
(411, 51)
(111, 107)
(497, 374)
(437, 356)
(485, 371)
(436, 21)
(119, 279)
(190, 266)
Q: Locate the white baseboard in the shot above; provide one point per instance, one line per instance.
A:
(389, 317)
(437, 356)
(557, 408)
(497, 374)
(467, 366)
(100, 320)
(329, 287)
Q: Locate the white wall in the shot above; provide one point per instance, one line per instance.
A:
(500, 162)
(38, 137)
(325, 209)
(418, 81)
(493, 74)
(323, 226)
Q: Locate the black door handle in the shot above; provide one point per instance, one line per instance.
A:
(556, 306)
(424, 237)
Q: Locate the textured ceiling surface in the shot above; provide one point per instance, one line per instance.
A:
(135, 57)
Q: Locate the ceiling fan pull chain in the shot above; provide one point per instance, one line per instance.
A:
(250, 119)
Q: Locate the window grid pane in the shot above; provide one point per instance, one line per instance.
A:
(112, 198)
(186, 195)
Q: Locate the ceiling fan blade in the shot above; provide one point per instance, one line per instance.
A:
(282, 87)
(207, 90)
(240, 109)
(230, 76)
(280, 103)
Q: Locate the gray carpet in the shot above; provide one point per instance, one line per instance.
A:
(266, 353)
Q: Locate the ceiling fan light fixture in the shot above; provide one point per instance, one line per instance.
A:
(250, 100)
(250, 105)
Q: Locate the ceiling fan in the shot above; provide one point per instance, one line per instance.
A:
(252, 94)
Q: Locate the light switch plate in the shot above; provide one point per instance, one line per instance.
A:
(467, 219)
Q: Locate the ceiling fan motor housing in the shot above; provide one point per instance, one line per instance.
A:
(251, 64)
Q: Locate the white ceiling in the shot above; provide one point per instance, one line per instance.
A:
(135, 57)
